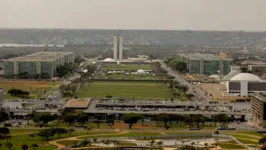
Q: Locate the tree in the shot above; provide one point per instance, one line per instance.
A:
(160, 143)
(4, 132)
(69, 131)
(98, 121)
(24, 147)
(44, 118)
(165, 118)
(152, 142)
(131, 118)
(110, 122)
(262, 141)
(34, 146)
(9, 145)
(70, 119)
(82, 118)
(45, 133)
(84, 143)
(32, 135)
(59, 131)
(109, 96)
(206, 145)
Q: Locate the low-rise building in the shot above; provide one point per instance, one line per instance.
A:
(37, 65)
(205, 64)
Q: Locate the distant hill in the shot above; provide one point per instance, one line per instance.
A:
(133, 37)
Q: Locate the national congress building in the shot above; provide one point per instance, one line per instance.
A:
(36, 65)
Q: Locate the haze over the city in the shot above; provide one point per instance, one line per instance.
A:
(135, 14)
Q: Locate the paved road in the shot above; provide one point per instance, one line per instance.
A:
(55, 93)
(200, 96)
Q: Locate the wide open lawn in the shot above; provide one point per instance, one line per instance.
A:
(125, 90)
(34, 87)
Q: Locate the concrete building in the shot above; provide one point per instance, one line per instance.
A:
(36, 65)
(1, 96)
(205, 64)
(118, 47)
(244, 84)
(258, 102)
(257, 68)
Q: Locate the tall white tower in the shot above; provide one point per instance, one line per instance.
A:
(115, 48)
(120, 47)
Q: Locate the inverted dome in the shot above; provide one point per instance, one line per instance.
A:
(245, 77)
(108, 59)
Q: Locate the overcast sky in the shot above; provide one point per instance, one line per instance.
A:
(135, 14)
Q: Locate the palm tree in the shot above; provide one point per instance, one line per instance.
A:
(9, 145)
(152, 142)
(160, 143)
(34, 146)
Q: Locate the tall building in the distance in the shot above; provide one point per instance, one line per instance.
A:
(115, 48)
(118, 47)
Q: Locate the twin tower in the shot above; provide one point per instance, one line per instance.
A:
(118, 47)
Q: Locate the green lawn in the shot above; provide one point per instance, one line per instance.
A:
(231, 145)
(18, 140)
(21, 131)
(125, 67)
(35, 88)
(68, 142)
(125, 90)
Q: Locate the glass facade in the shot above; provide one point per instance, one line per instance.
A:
(28, 67)
(226, 66)
(194, 67)
(211, 67)
(47, 68)
(8, 67)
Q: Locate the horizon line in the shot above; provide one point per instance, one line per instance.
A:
(128, 29)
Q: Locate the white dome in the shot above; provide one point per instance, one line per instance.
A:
(108, 59)
(141, 71)
(245, 77)
(215, 76)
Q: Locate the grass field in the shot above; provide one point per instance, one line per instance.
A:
(34, 87)
(125, 90)
(101, 75)
(230, 145)
(125, 67)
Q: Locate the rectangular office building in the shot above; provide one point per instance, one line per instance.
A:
(205, 64)
(37, 65)
(258, 101)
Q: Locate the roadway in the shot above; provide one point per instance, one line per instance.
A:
(200, 97)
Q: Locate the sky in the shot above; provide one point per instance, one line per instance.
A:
(135, 14)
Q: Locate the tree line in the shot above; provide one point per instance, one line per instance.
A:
(72, 118)
(18, 93)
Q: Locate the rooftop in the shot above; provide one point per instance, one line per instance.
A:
(77, 103)
(197, 56)
(40, 56)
